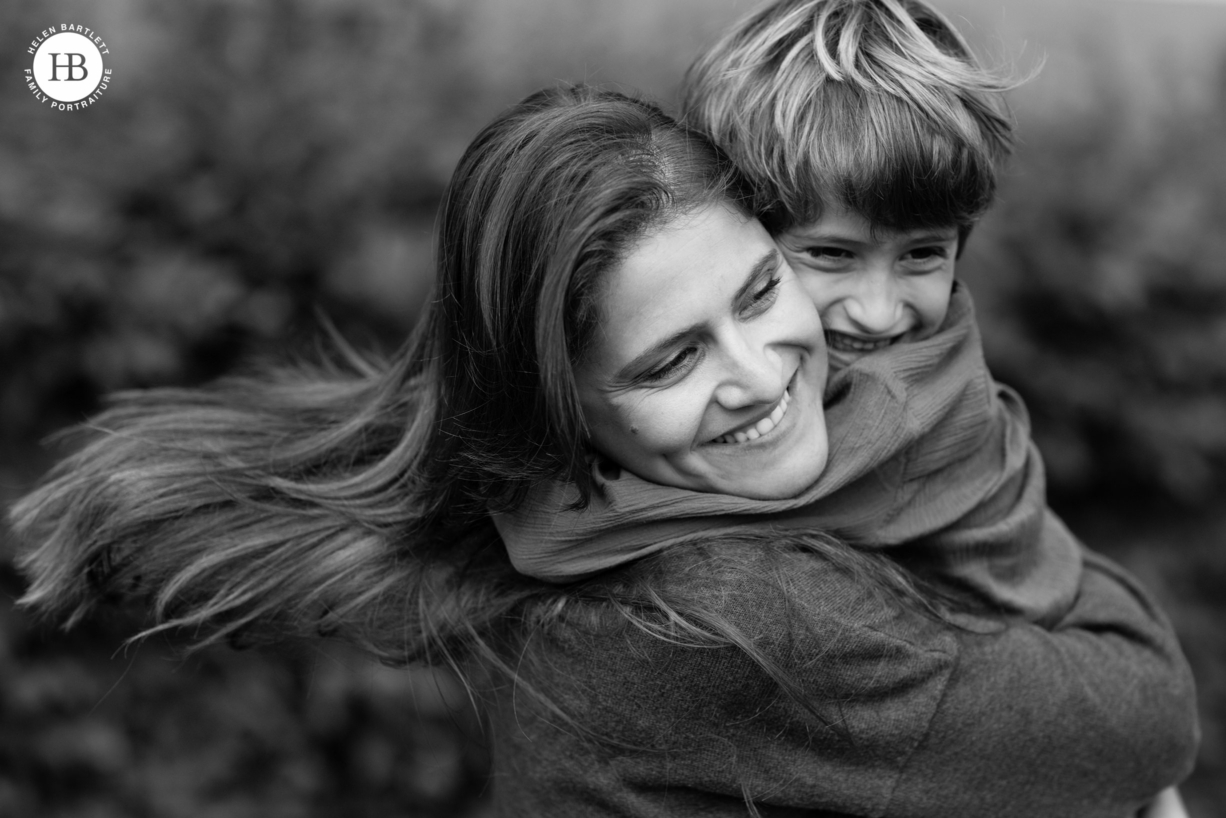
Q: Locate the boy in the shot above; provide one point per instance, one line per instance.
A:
(872, 138)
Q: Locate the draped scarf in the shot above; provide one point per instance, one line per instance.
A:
(925, 450)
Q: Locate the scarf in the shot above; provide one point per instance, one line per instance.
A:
(924, 448)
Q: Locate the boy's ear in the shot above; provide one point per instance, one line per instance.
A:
(964, 232)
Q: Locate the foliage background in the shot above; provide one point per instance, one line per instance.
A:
(253, 163)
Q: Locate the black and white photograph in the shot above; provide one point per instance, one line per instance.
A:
(591, 409)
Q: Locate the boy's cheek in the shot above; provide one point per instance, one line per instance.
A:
(933, 299)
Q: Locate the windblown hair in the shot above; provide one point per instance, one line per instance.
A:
(875, 106)
(353, 497)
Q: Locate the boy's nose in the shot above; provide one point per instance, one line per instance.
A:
(875, 307)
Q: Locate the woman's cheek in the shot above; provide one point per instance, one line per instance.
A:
(672, 420)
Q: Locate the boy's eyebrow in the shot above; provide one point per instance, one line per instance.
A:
(935, 234)
(626, 373)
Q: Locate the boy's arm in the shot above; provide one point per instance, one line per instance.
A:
(970, 501)
(1010, 549)
(1104, 694)
(978, 516)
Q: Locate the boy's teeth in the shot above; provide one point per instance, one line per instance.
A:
(762, 426)
(849, 343)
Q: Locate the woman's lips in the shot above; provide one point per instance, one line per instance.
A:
(755, 430)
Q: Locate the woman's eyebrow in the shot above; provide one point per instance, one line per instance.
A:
(644, 358)
(626, 373)
(769, 259)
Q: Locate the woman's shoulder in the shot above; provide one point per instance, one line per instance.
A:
(739, 618)
(882, 709)
(774, 665)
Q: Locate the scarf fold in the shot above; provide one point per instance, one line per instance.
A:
(924, 448)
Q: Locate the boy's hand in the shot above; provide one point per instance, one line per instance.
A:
(1168, 804)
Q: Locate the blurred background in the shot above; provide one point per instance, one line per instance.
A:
(252, 163)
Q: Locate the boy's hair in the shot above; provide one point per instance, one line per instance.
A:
(876, 106)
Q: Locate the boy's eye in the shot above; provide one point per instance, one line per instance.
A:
(675, 366)
(829, 253)
(928, 258)
(927, 253)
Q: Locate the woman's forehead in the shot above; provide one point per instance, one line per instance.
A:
(685, 273)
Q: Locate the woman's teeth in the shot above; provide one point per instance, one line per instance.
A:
(849, 343)
(762, 426)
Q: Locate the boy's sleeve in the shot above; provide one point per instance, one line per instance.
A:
(1104, 694)
(1010, 549)
(966, 500)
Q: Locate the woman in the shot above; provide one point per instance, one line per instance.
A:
(746, 672)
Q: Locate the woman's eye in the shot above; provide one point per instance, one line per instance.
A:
(763, 297)
(674, 366)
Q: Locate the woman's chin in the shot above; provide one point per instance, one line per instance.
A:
(771, 468)
(785, 481)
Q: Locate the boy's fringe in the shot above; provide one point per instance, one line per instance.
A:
(875, 105)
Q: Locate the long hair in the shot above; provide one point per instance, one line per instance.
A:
(877, 106)
(545, 201)
(353, 498)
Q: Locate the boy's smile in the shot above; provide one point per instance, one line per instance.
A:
(873, 286)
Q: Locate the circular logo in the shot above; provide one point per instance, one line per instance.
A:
(68, 70)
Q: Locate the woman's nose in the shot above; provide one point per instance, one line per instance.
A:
(755, 377)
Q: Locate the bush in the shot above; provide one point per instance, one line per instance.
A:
(1106, 299)
(268, 160)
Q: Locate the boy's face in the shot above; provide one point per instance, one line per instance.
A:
(872, 287)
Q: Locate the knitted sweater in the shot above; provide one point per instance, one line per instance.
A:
(926, 452)
(919, 718)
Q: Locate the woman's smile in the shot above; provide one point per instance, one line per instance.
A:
(754, 430)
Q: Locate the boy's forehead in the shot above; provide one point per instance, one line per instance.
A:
(840, 221)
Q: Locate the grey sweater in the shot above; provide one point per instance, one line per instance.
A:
(916, 717)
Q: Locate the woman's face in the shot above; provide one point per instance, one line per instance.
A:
(708, 366)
